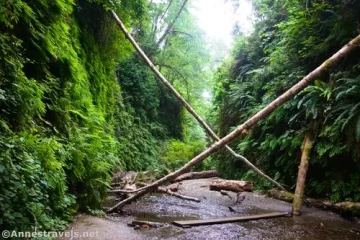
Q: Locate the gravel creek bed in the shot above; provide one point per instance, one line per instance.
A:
(314, 224)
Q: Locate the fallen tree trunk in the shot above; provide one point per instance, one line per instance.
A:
(343, 208)
(171, 193)
(231, 185)
(187, 106)
(160, 190)
(196, 175)
(265, 112)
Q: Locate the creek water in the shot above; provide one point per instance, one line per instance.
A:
(313, 224)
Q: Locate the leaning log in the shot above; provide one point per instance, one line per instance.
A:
(303, 168)
(231, 185)
(197, 175)
(262, 114)
(187, 106)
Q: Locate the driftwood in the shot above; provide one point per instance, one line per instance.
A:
(145, 223)
(167, 191)
(196, 175)
(171, 193)
(231, 185)
(158, 190)
(343, 208)
(188, 107)
(264, 113)
(225, 193)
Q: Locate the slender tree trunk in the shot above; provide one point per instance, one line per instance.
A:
(166, 10)
(171, 24)
(304, 165)
(161, 18)
(187, 106)
(265, 112)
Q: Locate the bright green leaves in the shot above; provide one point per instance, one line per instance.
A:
(176, 153)
(30, 167)
(19, 94)
(59, 103)
(315, 100)
(347, 105)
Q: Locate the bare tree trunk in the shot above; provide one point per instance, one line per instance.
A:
(265, 112)
(304, 165)
(166, 10)
(161, 18)
(187, 105)
(171, 24)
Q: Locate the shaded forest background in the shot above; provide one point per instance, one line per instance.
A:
(78, 104)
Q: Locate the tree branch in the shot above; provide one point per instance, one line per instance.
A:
(171, 24)
(184, 33)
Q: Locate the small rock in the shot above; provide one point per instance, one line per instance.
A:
(145, 226)
(136, 227)
(232, 209)
(240, 198)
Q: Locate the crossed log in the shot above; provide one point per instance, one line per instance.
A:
(265, 112)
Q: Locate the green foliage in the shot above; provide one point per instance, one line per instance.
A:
(32, 179)
(60, 109)
(177, 153)
(77, 104)
(347, 107)
(291, 39)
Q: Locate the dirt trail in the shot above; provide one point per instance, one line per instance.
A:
(314, 224)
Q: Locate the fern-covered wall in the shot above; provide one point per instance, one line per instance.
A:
(290, 39)
(64, 122)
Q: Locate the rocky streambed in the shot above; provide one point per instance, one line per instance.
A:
(314, 224)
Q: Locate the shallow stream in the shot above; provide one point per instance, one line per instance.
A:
(313, 224)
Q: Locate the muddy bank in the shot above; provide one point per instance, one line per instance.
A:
(313, 224)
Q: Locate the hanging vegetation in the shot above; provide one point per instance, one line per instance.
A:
(291, 38)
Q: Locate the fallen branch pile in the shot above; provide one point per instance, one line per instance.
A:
(125, 184)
